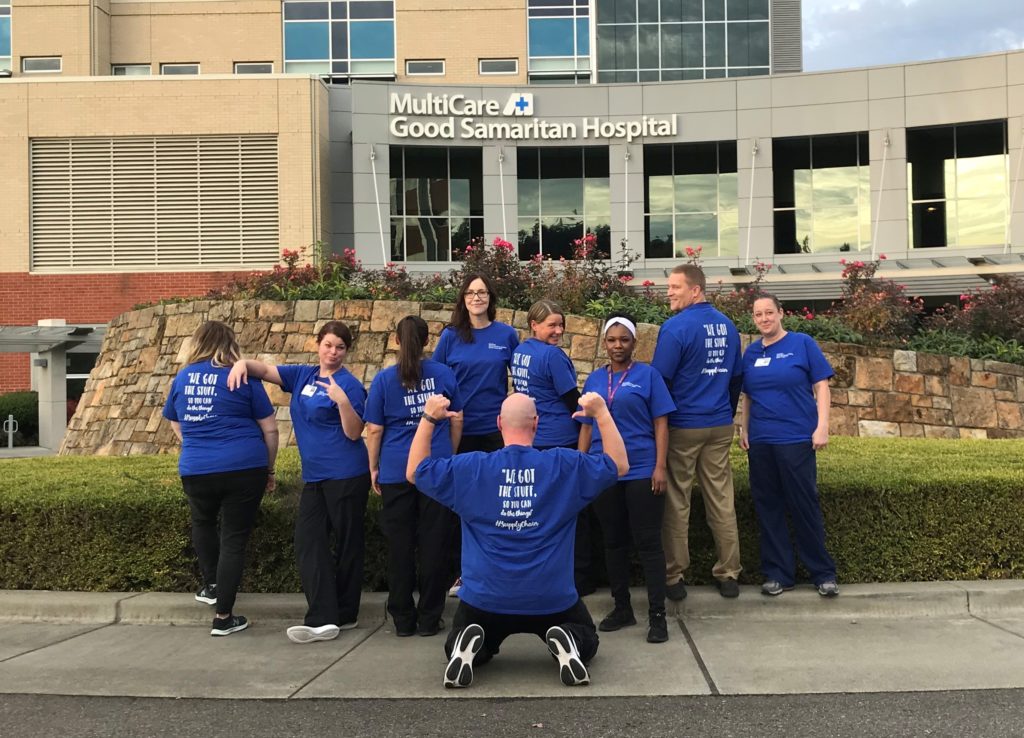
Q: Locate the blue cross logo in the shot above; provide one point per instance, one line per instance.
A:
(522, 104)
(519, 103)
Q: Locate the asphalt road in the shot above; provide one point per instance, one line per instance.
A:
(991, 713)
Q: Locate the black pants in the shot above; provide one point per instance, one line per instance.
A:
(487, 443)
(625, 509)
(413, 523)
(331, 516)
(582, 558)
(235, 496)
(575, 621)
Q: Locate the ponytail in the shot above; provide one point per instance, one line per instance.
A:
(412, 336)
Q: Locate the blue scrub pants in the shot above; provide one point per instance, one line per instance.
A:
(783, 479)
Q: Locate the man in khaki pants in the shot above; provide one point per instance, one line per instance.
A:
(698, 354)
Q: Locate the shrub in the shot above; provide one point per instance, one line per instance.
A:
(895, 510)
(998, 312)
(24, 406)
(876, 308)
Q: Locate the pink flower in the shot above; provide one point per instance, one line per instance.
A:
(843, 262)
(881, 257)
(648, 283)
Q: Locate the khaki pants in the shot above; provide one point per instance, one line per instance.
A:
(702, 453)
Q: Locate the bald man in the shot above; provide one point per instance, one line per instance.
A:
(518, 508)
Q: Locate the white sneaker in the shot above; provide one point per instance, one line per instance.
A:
(453, 591)
(308, 634)
(571, 670)
(349, 626)
(459, 672)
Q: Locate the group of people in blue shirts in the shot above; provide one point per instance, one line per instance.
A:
(513, 480)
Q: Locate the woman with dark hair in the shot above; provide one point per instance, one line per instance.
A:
(412, 522)
(228, 449)
(632, 509)
(478, 349)
(783, 423)
(542, 370)
(326, 412)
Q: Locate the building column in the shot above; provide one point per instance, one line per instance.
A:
(501, 200)
(757, 219)
(49, 379)
(889, 197)
(626, 185)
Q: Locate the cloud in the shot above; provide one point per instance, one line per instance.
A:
(860, 33)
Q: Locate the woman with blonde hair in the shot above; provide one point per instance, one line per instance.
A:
(228, 448)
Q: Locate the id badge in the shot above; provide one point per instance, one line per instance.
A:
(763, 361)
(309, 390)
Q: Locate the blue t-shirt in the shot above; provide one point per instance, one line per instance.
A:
(325, 450)
(219, 432)
(639, 398)
(698, 354)
(778, 382)
(518, 508)
(545, 373)
(398, 410)
(481, 369)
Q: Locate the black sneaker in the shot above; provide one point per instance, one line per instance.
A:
(404, 630)
(459, 672)
(228, 625)
(432, 629)
(676, 592)
(657, 630)
(728, 587)
(207, 595)
(571, 670)
(620, 617)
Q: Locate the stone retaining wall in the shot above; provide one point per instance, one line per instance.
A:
(875, 392)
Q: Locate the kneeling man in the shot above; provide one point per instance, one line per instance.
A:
(518, 508)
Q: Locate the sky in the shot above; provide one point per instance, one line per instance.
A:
(839, 34)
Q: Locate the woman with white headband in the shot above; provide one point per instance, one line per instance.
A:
(640, 403)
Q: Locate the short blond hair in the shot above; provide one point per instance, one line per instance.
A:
(213, 341)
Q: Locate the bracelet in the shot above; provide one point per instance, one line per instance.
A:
(430, 419)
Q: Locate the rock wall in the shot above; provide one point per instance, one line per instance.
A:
(875, 392)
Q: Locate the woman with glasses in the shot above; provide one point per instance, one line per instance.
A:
(478, 349)
(783, 423)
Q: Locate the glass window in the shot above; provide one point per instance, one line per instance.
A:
(426, 67)
(131, 70)
(5, 41)
(714, 10)
(305, 11)
(339, 39)
(563, 194)
(254, 67)
(551, 37)
(40, 64)
(358, 9)
(822, 194)
(959, 185)
(372, 40)
(436, 201)
(747, 9)
(179, 69)
(307, 41)
(691, 199)
(499, 66)
(558, 40)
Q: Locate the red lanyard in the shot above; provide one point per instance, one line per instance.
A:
(611, 392)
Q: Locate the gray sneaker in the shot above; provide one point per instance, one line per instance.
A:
(829, 588)
(676, 592)
(773, 588)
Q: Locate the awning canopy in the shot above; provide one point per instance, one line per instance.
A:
(27, 339)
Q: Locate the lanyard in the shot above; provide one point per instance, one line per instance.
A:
(611, 392)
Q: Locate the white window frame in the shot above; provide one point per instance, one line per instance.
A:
(164, 67)
(410, 73)
(254, 64)
(482, 73)
(58, 70)
(147, 67)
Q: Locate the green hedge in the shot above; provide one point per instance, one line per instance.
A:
(895, 510)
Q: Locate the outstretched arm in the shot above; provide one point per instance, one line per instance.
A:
(594, 407)
(245, 368)
(434, 411)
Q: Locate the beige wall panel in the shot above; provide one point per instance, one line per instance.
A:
(13, 182)
(812, 120)
(1015, 69)
(754, 123)
(817, 89)
(707, 126)
(753, 93)
(887, 113)
(461, 34)
(101, 48)
(58, 29)
(690, 98)
(214, 34)
(1015, 100)
(958, 74)
(956, 107)
(885, 82)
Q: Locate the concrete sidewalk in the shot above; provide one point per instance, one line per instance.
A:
(873, 638)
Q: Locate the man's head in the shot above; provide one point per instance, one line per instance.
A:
(686, 286)
(518, 420)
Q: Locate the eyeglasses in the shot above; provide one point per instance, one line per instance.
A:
(482, 294)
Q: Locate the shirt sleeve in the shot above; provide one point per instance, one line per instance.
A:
(374, 410)
(260, 403)
(452, 392)
(661, 402)
(513, 341)
(594, 474)
(441, 351)
(667, 353)
(435, 477)
(817, 365)
(289, 374)
(589, 386)
(356, 393)
(563, 372)
(170, 412)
